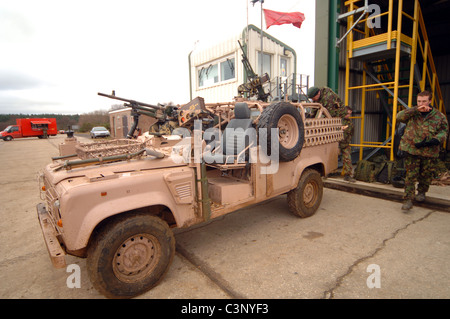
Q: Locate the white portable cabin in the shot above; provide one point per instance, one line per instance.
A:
(217, 71)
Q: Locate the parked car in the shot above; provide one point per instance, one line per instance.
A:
(99, 131)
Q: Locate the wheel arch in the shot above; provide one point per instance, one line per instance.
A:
(158, 210)
(307, 164)
(319, 167)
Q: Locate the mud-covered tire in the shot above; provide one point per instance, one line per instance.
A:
(287, 119)
(130, 255)
(305, 199)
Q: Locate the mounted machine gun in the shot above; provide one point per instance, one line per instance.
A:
(255, 84)
(169, 117)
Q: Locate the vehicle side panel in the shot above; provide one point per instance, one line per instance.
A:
(324, 156)
(28, 131)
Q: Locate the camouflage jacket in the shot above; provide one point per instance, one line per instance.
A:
(333, 103)
(165, 128)
(418, 128)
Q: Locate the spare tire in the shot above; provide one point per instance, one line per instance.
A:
(287, 119)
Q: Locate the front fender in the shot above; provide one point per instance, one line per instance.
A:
(84, 206)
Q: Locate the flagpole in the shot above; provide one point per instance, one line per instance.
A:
(246, 37)
(262, 1)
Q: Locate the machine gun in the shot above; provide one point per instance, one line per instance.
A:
(161, 112)
(255, 84)
(168, 115)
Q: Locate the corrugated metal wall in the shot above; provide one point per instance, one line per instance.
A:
(375, 119)
(442, 63)
(373, 111)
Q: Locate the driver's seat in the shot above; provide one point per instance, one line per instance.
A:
(236, 136)
(236, 139)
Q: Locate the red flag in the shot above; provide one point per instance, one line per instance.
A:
(278, 18)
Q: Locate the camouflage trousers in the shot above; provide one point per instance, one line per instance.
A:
(346, 149)
(346, 156)
(418, 169)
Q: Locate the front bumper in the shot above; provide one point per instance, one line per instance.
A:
(55, 251)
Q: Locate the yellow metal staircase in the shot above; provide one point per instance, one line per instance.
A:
(397, 63)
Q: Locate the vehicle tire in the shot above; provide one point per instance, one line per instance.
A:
(130, 255)
(305, 199)
(287, 119)
(8, 138)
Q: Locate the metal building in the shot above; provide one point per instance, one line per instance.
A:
(217, 71)
(378, 55)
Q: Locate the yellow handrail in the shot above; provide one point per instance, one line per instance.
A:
(419, 45)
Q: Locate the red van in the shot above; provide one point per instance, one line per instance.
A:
(36, 127)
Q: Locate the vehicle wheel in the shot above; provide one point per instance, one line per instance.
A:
(130, 255)
(8, 138)
(287, 119)
(305, 199)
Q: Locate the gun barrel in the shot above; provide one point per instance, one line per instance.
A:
(250, 72)
(132, 102)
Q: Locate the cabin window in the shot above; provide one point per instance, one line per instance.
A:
(266, 65)
(227, 69)
(37, 127)
(216, 72)
(283, 67)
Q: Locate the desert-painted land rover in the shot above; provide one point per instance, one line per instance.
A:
(116, 202)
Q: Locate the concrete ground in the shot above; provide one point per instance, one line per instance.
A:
(355, 246)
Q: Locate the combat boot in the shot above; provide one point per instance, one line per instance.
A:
(420, 197)
(407, 205)
(350, 179)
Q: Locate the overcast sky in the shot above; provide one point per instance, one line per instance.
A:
(57, 54)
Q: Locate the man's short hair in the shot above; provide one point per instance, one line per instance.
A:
(425, 93)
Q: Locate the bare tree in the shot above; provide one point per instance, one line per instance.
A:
(96, 118)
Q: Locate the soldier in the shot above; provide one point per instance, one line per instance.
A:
(426, 129)
(164, 125)
(332, 102)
